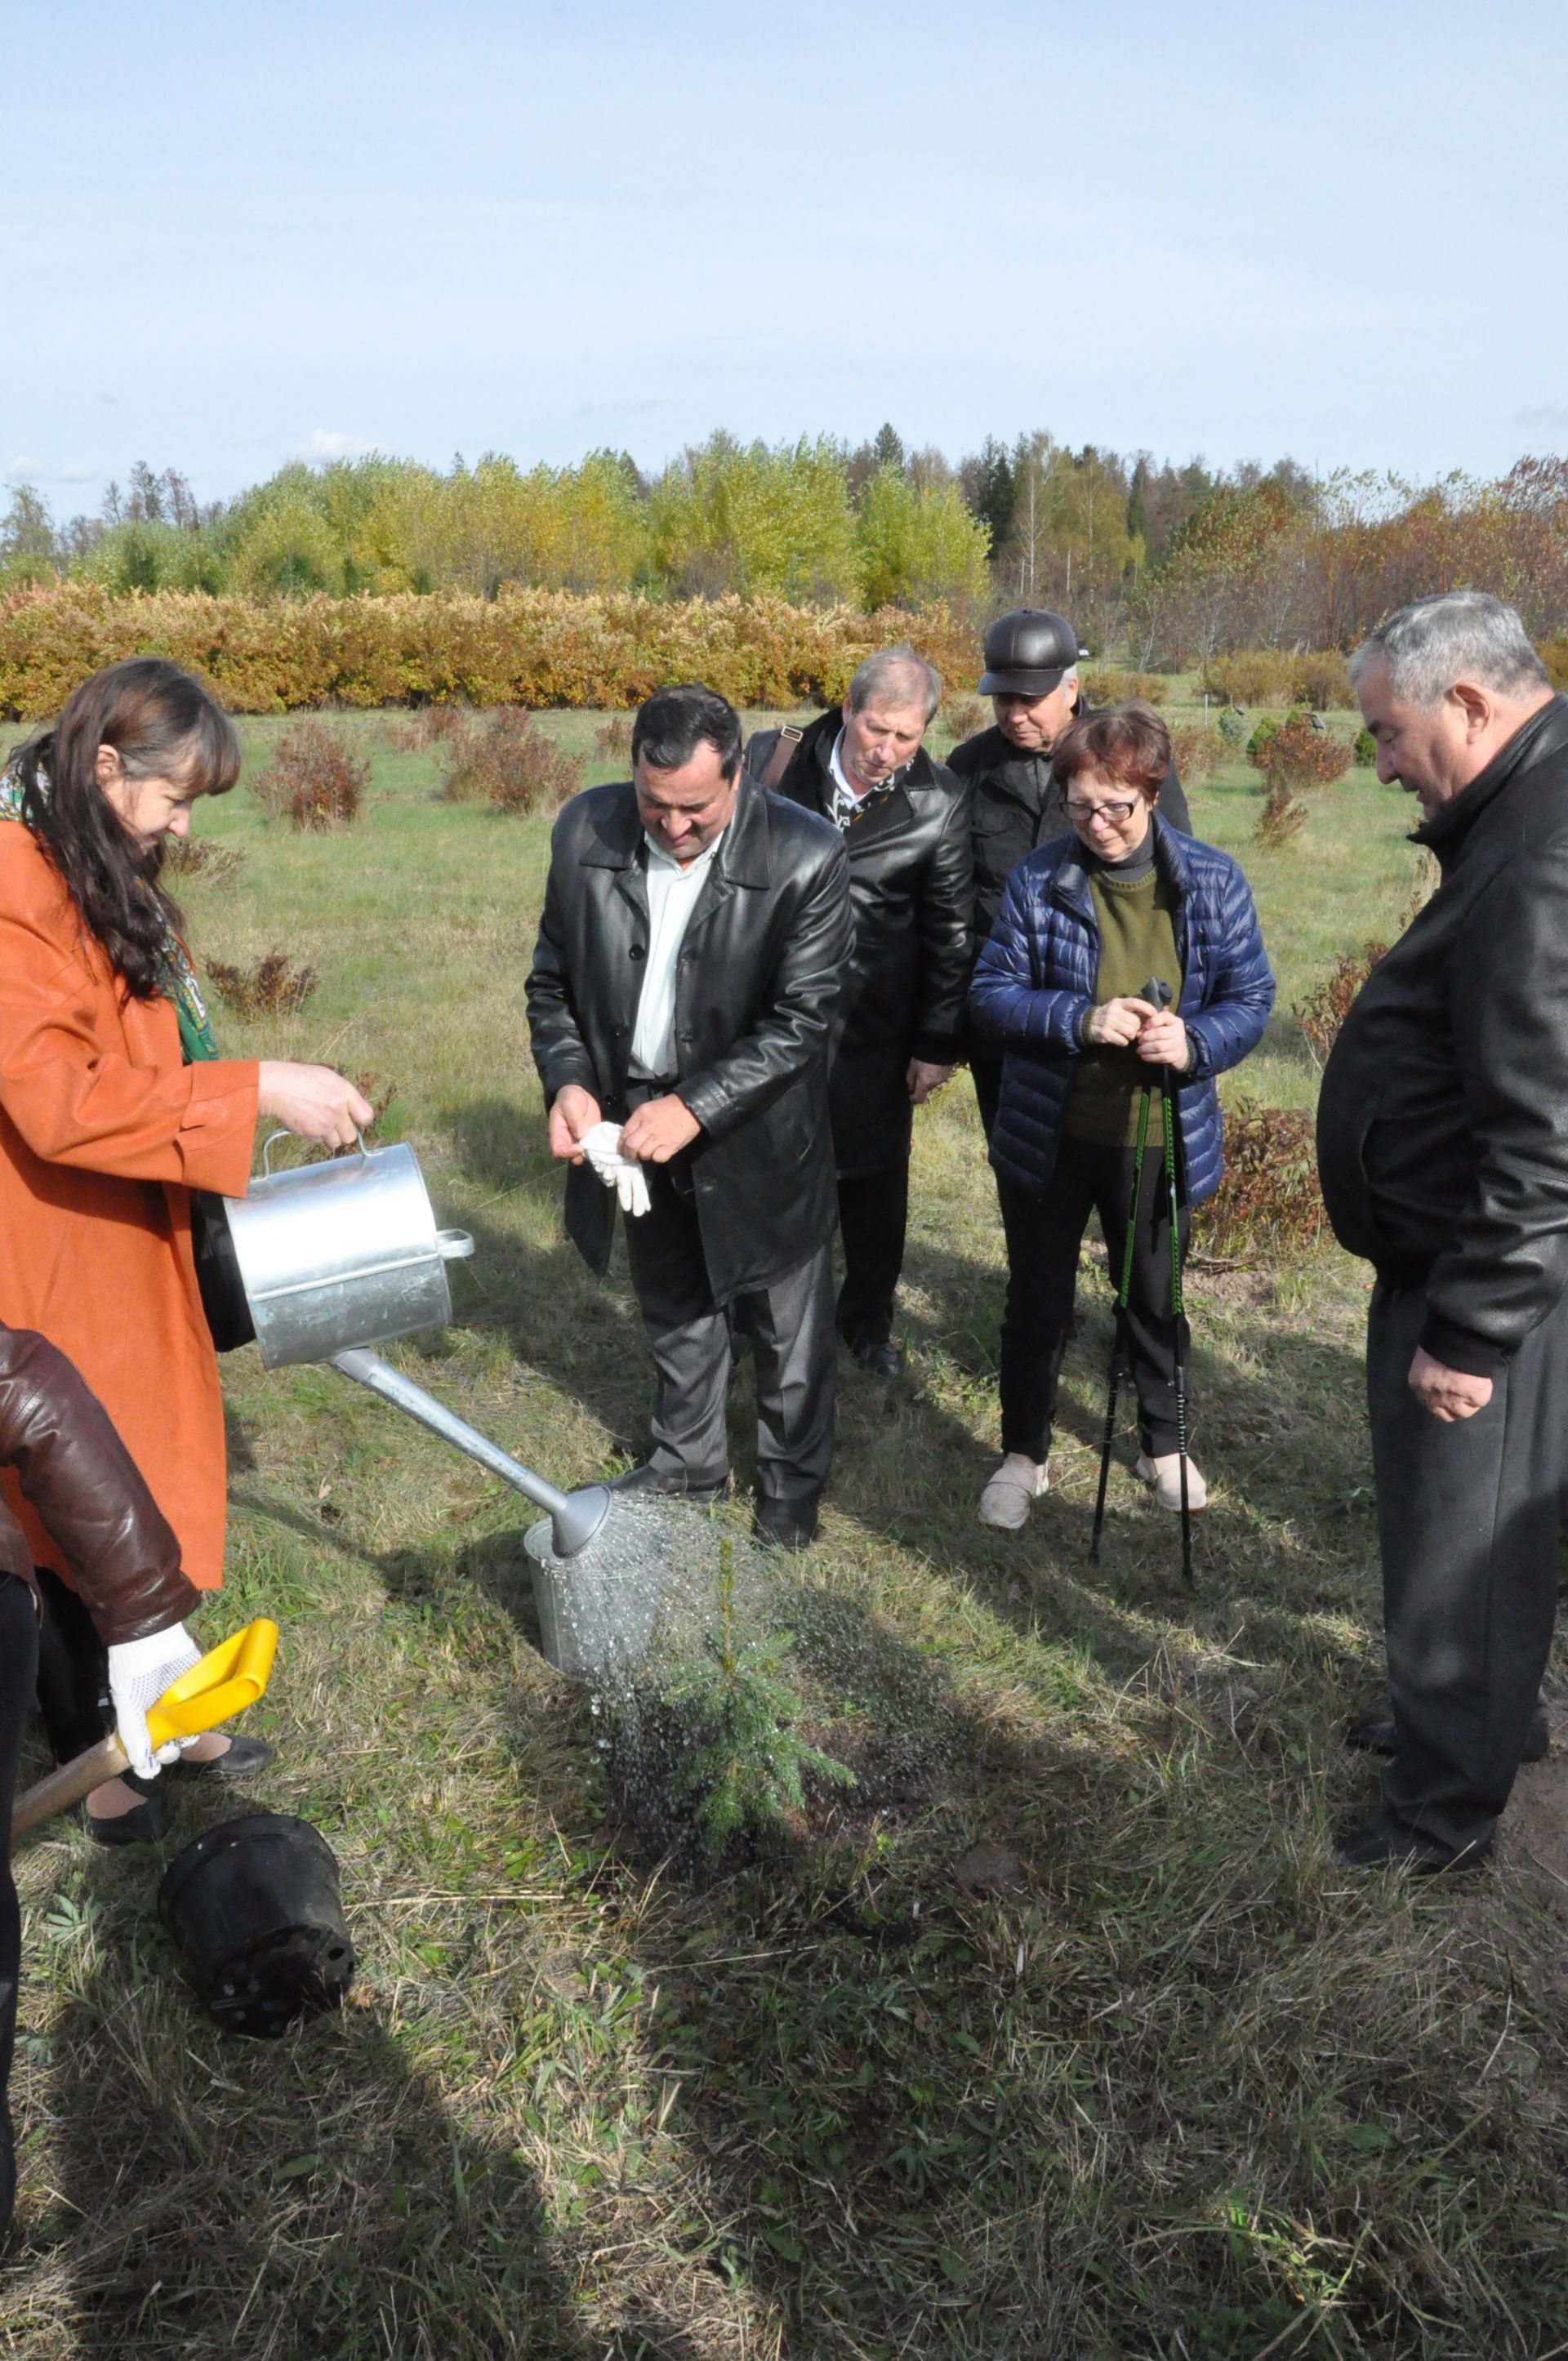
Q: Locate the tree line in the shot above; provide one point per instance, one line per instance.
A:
(1166, 563)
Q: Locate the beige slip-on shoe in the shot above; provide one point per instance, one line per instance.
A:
(1012, 1492)
(1163, 1476)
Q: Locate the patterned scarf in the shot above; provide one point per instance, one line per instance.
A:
(176, 976)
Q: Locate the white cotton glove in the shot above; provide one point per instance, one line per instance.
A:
(624, 1174)
(139, 1672)
(601, 1145)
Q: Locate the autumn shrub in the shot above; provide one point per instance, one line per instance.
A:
(1321, 679)
(612, 739)
(1327, 1004)
(275, 986)
(1107, 685)
(962, 716)
(504, 758)
(315, 780)
(198, 856)
(1198, 752)
(1281, 815)
(1553, 655)
(1268, 1200)
(1251, 676)
(533, 648)
(1300, 754)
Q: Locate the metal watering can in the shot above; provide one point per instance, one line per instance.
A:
(333, 1258)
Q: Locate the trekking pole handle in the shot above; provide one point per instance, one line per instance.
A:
(1157, 990)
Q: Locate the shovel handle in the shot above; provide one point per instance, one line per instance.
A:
(229, 1679)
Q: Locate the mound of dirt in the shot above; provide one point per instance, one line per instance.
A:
(1532, 1837)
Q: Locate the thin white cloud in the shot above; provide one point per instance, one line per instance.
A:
(324, 444)
(1544, 414)
(44, 471)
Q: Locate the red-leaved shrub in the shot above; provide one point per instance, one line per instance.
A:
(505, 758)
(1269, 1199)
(273, 987)
(315, 780)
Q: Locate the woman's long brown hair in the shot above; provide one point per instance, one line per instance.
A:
(162, 724)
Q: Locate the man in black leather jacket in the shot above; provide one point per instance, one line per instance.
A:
(1442, 1145)
(904, 821)
(77, 1474)
(1031, 679)
(685, 987)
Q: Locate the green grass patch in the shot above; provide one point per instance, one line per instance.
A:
(1059, 2032)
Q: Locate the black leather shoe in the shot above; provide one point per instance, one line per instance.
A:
(1374, 1848)
(786, 1524)
(879, 1357)
(677, 1486)
(143, 1825)
(1378, 1738)
(242, 1759)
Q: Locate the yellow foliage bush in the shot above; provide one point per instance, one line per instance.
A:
(536, 648)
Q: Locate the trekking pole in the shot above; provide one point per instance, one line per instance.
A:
(1120, 1359)
(1161, 995)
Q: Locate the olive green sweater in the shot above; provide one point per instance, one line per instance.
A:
(1133, 907)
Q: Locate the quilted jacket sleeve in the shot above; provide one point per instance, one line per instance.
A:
(1237, 983)
(1007, 1005)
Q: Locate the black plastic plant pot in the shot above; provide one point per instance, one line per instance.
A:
(253, 1907)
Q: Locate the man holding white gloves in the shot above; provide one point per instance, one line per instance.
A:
(78, 1476)
(685, 987)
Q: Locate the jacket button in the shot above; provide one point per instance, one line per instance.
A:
(638, 950)
(618, 1030)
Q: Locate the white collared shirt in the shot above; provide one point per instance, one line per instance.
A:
(673, 893)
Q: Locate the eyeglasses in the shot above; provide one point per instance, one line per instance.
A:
(1081, 815)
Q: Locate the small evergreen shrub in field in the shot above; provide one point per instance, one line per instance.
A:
(275, 986)
(198, 856)
(315, 780)
(1365, 749)
(1232, 724)
(504, 758)
(1269, 1200)
(1327, 1004)
(1298, 756)
(1108, 684)
(1281, 817)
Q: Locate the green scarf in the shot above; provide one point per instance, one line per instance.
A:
(176, 976)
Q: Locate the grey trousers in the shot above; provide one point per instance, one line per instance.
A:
(793, 1342)
(1467, 1519)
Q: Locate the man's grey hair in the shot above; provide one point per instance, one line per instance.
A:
(897, 674)
(1459, 635)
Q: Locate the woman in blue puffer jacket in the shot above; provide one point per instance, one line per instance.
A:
(1087, 921)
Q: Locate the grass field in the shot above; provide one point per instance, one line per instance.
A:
(1059, 2034)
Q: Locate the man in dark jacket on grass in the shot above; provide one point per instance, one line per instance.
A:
(685, 981)
(1442, 1144)
(1016, 805)
(904, 821)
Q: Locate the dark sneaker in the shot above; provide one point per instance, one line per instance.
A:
(1371, 1847)
(786, 1524)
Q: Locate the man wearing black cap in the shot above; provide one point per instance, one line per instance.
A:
(1031, 679)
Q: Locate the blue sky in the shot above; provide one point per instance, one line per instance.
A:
(231, 236)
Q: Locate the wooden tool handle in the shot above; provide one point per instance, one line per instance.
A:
(69, 1784)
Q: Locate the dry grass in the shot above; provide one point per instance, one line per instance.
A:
(1169, 2085)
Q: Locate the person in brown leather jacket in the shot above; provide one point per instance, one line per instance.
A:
(77, 1474)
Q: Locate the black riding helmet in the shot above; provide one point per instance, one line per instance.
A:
(1027, 653)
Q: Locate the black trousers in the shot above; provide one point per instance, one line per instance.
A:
(1467, 1523)
(873, 1216)
(1044, 1235)
(793, 1351)
(19, 1662)
(73, 1671)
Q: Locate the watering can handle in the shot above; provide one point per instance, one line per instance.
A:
(229, 1679)
(271, 1142)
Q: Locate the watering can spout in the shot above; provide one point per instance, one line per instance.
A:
(578, 1519)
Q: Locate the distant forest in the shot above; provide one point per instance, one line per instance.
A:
(1164, 563)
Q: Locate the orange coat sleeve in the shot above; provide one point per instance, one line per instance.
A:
(78, 1097)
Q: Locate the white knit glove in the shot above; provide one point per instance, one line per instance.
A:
(139, 1672)
(624, 1174)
